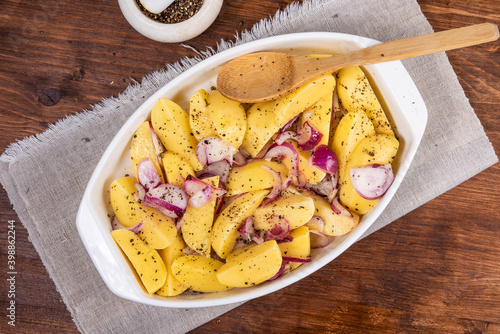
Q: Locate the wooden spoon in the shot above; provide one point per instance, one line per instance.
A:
(264, 76)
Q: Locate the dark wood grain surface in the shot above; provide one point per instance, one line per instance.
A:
(435, 270)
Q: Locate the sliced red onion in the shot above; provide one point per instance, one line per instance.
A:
(264, 150)
(284, 266)
(309, 137)
(206, 176)
(277, 186)
(158, 145)
(247, 230)
(318, 239)
(239, 159)
(297, 259)
(325, 159)
(287, 238)
(192, 185)
(179, 223)
(316, 223)
(115, 224)
(202, 197)
(287, 150)
(339, 209)
(280, 229)
(289, 124)
(326, 187)
(257, 239)
(212, 149)
(280, 139)
(147, 175)
(371, 182)
(220, 168)
(141, 192)
(136, 228)
(169, 199)
(220, 204)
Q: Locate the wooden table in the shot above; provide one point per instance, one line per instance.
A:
(435, 270)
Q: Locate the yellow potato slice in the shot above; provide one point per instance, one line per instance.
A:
(199, 273)
(199, 116)
(177, 168)
(171, 124)
(145, 260)
(172, 286)
(225, 229)
(299, 247)
(252, 266)
(252, 177)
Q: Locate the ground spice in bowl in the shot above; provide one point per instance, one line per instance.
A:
(178, 11)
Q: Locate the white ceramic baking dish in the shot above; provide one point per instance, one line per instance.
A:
(395, 88)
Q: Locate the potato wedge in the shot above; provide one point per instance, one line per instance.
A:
(355, 93)
(266, 118)
(199, 273)
(229, 118)
(352, 129)
(176, 168)
(172, 287)
(197, 226)
(377, 149)
(142, 147)
(145, 260)
(158, 230)
(296, 209)
(312, 173)
(199, 116)
(252, 177)
(171, 124)
(253, 266)
(299, 247)
(335, 225)
(225, 229)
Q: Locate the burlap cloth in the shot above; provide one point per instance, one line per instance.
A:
(45, 175)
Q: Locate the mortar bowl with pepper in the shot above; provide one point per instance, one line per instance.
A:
(182, 20)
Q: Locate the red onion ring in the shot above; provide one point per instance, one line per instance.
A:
(139, 196)
(212, 149)
(339, 209)
(296, 259)
(169, 199)
(316, 223)
(371, 182)
(220, 168)
(309, 137)
(136, 228)
(280, 229)
(318, 239)
(147, 175)
(325, 159)
(284, 266)
(277, 186)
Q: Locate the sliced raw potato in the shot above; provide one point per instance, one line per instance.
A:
(377, 149)
(197, 226)
(199, 116)
(172, 286)
(238, 251)
(145, 260)
(352, 129)
(142, 147)
(171, 124)
(252, 177)
(299, 247)
(176, 168)
(296, 209)
(355, 93)
(199, 273)
(312, 173)
(228, 117)
(157, 231)
(335, 224)
(266, 118)
(252, 266)
(225, 228)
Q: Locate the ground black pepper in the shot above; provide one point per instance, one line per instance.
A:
(178, 11)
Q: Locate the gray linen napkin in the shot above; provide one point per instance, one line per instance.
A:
(45, 175)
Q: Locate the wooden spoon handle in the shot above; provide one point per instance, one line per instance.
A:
(420, 45)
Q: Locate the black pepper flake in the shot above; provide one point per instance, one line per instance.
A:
(178, 11)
